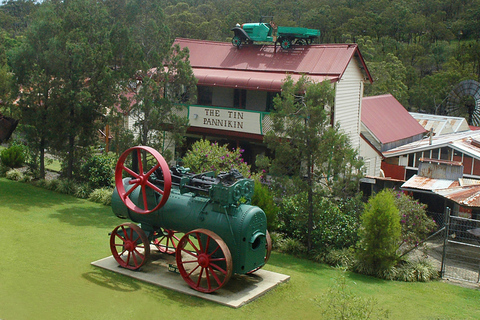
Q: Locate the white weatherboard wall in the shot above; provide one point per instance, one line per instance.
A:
(371, 158)
(348, 101)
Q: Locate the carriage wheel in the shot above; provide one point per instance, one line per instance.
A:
(141, 179)
(285, 43)
(268, 251)
(237, 41)
(168, 242)
(204, 260)
(301, 42)
(129, 246)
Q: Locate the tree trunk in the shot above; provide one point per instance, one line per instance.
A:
(310, 206)
(70, 156)
(42, 158)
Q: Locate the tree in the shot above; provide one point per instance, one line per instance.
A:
(315, 156)
(158, 73)
(63, 68)
(6, 78)
(379, 232)
(158, 102)
(389, 77)
(34, 70)
(15, 15)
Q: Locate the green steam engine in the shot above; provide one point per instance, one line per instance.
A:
(205, 221)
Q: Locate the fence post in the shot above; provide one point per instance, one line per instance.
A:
(445, 239)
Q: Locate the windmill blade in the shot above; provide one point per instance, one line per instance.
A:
(455, 104)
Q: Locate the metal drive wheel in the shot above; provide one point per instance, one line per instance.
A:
(140, 178)
(268, 251)
(130, 246)
(204, 260)
(167, 242)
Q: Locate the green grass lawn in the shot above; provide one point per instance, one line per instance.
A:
(53, 165)
(48, 241)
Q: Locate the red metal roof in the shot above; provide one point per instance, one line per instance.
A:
(464, 196)
(263, 67)
(388, 120)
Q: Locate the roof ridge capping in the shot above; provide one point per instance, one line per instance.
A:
(441, 161)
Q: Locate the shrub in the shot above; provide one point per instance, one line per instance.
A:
(415, 223)
(102, 195)
(332, 228)
(3, 169)
(13, 156)
(379, 233)
(420, 270)
(98, 171)
(52, 184)
(41, 183)
(66, 186)
(341, 258)
(26, 178)
(14, 174)
(277, 238)
(263, 198)
(83, 191)
(341, 303)
(291, 246)
(207, 156)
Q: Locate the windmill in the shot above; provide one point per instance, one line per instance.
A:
(464, 101)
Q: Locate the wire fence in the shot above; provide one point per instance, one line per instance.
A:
(461, 249)
(454, 247)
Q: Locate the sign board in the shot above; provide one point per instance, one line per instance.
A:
(225, 119)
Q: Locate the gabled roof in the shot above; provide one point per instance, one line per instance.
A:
(264, 67)
(388, 120)
(441, 124)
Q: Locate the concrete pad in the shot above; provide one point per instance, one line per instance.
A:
(240, 290)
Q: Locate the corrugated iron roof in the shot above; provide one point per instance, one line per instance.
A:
(388, 120)
(461, 141)
(465, 196)
(465, 182)
(428, 184)
(323, 61)
(441, 124)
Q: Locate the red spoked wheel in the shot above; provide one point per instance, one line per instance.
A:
(141, 179)
(167, 242)
(130, 246)
(268, 247)
(204, 260)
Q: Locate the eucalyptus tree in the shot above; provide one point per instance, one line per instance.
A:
(314, 155)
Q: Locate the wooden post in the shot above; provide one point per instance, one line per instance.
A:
(107, 138)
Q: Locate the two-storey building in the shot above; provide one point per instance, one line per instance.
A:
(236, 88)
